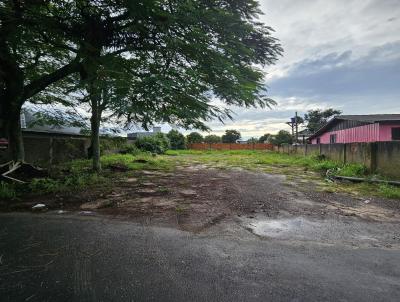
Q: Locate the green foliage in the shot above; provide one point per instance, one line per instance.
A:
(318, 118)
(357, 170)
(389, 191)
(231, 136)
(112, 143)
(80, 177)
(212, 139)
(264, 138)
(283, 137)
(252, 140)
(129, 149)
(7, 191)
(194, 138)
(108, 50)
(45, 185)
(177, 140)
(158, 143)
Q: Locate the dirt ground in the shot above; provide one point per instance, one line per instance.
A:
(223, 234)
(195, 197)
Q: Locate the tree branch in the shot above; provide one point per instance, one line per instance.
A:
(41, 83)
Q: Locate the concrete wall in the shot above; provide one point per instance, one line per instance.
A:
(380, 157)
(46, 149)
(388, 159)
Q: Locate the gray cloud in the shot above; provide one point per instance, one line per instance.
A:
(335, 74)
(338, 53)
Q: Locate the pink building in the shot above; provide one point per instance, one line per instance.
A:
(359, 128)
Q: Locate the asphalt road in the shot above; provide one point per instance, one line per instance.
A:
(50, 257)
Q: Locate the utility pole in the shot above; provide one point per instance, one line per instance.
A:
(291, 124)
(297, 128)
(294, 125)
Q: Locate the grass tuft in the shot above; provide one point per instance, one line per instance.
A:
(7, 191)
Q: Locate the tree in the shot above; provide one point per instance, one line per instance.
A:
(177, 140)
(212, 139)
(252, 140)
(264, 138)
(318, 118)
(178, 55)
(194, 138)
(283, 137)
(28, 62)
(231, 136)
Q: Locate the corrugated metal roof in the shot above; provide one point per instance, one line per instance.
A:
(372, 118)
(367, 118)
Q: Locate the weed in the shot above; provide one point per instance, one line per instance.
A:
(272, 162)
(162, 189)
(179, 210)
(45, 185)
(353, 170)
(7, 191)
(389, 191)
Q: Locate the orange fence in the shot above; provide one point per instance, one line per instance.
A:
(224, 146)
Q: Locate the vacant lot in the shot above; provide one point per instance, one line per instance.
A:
(220, 226)
(194, 190)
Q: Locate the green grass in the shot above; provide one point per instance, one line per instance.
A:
(77, 175)
(389, 191)
(254, 159)
(291, 165)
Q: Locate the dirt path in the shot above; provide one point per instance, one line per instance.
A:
(196, 197)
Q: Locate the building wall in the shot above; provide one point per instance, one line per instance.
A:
(362, 134)
(385, 132)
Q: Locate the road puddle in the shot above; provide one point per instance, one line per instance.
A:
(345, 231)
(283, 227)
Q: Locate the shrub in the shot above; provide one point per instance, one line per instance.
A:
(177, 140)
(158, 143)
(109, 144)
(45, 185)
(7, 191)
(129, 149)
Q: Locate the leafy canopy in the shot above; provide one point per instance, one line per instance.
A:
(231, 136)
(212, 139)
(194, 138)
(318, 118)
(283, 137)
(264, 138)
(177, 140)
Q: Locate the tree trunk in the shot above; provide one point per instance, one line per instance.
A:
(10, 114)
(16, 143)
(95, 127)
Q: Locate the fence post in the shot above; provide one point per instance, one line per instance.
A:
(344, 153)
(51, 151)
(374, 156)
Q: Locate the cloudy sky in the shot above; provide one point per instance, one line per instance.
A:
(343, 54)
